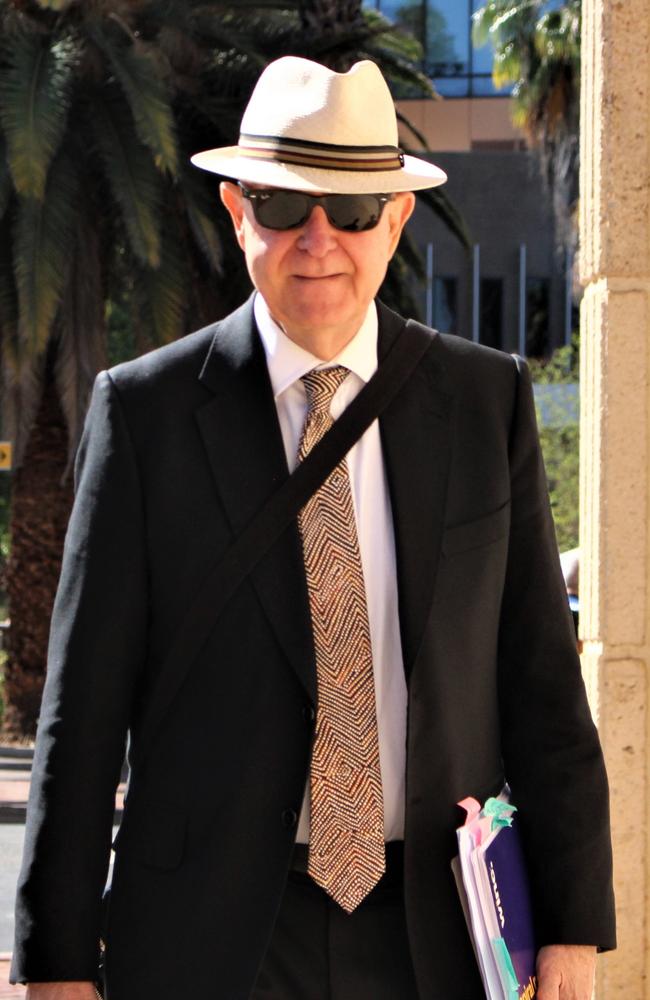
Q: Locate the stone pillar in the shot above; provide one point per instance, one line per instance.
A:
(615, 447)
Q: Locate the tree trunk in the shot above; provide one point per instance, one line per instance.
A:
(40, 510)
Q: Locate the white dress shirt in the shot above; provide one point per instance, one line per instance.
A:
(287, 363)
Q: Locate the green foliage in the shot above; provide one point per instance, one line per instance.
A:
(101, 216)
(43, 235)
(5, 494)
(538, 51)
(563, 366)
(559, 433)
(430, 28)
(89, 163)
(140, 75)
(561, 450)
(134, 180)
(34, 102)
(3, 660)
(159, 296)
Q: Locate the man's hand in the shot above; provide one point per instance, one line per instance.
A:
(61, 991)
(566, 972)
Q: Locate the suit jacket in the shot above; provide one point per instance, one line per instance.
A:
(181, 447)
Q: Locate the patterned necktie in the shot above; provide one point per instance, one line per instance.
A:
(346, 850)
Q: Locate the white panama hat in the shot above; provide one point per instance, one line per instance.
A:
(307, 128)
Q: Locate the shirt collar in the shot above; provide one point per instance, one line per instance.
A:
(287, 361)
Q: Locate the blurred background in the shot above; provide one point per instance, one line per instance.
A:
(111, 243)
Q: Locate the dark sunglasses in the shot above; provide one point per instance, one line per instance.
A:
(275, 208)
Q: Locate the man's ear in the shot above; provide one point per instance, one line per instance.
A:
(232, 199)
(399, 212)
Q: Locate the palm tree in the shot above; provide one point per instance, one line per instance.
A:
(319, 16)
(109, 242)
(96, 206)
(538, 50)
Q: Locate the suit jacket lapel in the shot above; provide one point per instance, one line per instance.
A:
(416, 439)
(242, 438)
(243, 442)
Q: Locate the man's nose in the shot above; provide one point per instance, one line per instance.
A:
(318, 235)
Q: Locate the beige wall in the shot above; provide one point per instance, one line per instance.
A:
(615, 487)
(453, 125)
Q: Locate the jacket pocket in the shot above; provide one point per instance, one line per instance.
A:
(474, 534)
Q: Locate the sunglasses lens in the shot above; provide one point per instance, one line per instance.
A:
(282, 209)
(353, 213)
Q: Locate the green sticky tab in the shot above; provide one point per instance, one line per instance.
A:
(506, 967)
(500, 812)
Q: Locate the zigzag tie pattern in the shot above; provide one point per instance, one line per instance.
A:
(346, 850)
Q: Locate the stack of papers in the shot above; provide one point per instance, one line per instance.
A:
(492, 881)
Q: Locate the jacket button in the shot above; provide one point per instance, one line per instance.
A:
(309, 713)
(289, 818)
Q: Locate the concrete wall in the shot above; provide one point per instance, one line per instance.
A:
(614, 593)
(502, 201)
(457, 124)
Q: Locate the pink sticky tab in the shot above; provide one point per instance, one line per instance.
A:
(471, 807)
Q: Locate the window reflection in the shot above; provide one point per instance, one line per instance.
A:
(537, 316)
(443, 28)
(445, 291)
(491, 312)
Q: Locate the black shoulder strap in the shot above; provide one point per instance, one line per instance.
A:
(274, 517)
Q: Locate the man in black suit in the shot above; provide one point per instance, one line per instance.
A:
(288, 834)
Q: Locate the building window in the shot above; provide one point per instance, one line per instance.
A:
(491, 312)
(445, 304)
(537, 317)
(444, 29)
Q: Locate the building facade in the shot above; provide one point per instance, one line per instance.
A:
(514, 289)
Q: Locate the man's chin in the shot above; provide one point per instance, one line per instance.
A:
(308, 326)
(319, 311)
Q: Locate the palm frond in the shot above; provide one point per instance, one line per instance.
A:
(410, 257)
(22, 372)
(557, 36)
(80, 328)
(396, 289)
(161, 294)
(391, 36)
(481, 21)
(140, 76)
(507, 67)
(265, 4)
(200, 204)
(244, 37)
(43, 235)
(501, 20)
(57, 5)
(6, 186)
(513, 17)
(8, 293)
(399, 70)
(251, 5)
(135, 183)
(23, 377)
(34, 101)
(440, 204)
(407, 123)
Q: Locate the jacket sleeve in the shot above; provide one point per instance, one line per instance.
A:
(96, 655)
(552, 755)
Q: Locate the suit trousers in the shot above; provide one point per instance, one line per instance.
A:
(319, 952)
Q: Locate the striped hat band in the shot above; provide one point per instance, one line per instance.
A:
(320, 154)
